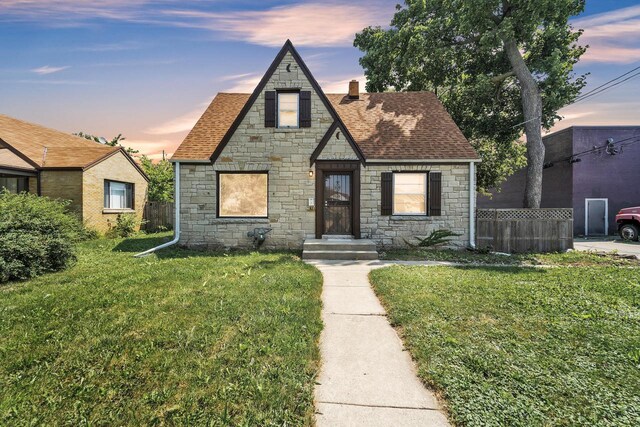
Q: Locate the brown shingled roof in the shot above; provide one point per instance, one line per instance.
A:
(390, 125)
(402, 125)
(212, 126)
(62, 150)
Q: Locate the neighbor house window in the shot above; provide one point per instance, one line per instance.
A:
(410, 193)
(243, 194)
(14, 184)
(118, 195)
(288, 103)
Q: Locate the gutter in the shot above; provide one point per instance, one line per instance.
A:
(176, 222)
(472, 205)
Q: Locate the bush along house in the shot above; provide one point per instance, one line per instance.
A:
(341, 174)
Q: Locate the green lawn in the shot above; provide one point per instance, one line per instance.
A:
(186, 338)
(574, 258)
(522, 346)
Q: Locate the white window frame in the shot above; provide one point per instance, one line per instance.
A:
(218, 192)
(586, 215)
(107, 196)
(426, 193)
(297, 94)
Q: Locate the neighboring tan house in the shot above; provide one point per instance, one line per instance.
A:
(379, 166)
(100, 181)
(593, 169)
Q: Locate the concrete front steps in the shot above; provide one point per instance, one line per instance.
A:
(339, 249)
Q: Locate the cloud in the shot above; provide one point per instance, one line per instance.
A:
(318, 24)
(183, 123)
(63, 12)
(241, 83)
(612, 36)
(110, 47)
(341, 84)
(48, 70)
(154, 148)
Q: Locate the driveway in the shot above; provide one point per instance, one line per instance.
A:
(607, 245)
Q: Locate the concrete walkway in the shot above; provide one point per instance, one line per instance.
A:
(366, 379)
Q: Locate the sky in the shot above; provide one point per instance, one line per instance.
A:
(149, 68)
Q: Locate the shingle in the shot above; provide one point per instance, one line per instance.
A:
(390, 125)
(62, 150)
(402, 125)
(212, 126)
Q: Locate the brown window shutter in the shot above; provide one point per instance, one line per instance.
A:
(435, 193)
(305, 109)
(270, 109)
(387, 194)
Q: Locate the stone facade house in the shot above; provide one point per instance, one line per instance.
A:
(305, 164)
(100, 181)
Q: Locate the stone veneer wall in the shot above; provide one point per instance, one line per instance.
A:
(285, 153)
(294, 223)
(391, 231)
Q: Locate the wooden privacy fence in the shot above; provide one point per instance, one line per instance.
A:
(525, 230)
(158, 216)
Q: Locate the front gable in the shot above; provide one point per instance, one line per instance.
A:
(253, 128)
(335, 145)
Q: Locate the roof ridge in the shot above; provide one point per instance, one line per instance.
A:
(52, 130)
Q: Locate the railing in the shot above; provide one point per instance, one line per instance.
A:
(525, 230)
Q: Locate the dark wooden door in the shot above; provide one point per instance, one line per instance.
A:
(338, 203)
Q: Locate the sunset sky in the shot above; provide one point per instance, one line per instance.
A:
(148, 68)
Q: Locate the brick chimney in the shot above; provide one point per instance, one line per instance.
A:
(354, 89)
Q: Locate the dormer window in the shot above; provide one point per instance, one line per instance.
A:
(288, 109)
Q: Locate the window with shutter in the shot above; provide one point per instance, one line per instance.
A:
(387, 193)
(410, 193)
(270, 109)
(435, 193)
(305, 109)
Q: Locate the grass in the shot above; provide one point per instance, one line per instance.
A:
(574, 258)
(183, 338)
(522, 346)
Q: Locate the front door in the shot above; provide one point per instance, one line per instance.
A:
(338, 203)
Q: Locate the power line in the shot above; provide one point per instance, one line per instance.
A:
(595, 91)
(596, 149)
(604, 89)
(606, 83)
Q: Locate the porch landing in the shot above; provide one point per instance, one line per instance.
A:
(339, 248)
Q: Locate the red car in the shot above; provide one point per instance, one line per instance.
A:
(628, 220)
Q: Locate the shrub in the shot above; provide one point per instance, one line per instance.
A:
(37, 235)
(126, 225)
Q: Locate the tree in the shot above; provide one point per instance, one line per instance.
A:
(115, 141)
(498, 66)
(160, 179)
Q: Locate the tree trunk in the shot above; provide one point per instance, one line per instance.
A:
(532, 110)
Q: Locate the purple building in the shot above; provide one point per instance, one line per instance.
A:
(593, 169)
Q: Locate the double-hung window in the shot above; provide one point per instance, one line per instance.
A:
(14, 184)
(118, 195)
(243, 194)
(288, 109)
(410, 193)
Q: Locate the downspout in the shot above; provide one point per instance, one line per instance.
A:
(472, 205)
(176, 222)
